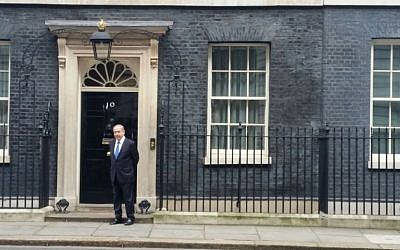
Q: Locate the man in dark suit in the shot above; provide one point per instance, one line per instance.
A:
(124, 159)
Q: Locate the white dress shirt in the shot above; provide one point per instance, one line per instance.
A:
(120, 143)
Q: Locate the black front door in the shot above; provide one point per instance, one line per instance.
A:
(100, 111)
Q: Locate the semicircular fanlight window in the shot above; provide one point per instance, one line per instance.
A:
(110, 73)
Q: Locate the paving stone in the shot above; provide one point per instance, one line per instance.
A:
(19, 230)
(336, 231)
(232, 236)
(226, 229)
(392, 239)
(178, 226)
(341, 239)
(122, 227)
(181, 234)
(84, 231)
(123, 233)
(287, 234)
(379, 231)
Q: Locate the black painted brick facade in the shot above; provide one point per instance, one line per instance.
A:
(319, 68)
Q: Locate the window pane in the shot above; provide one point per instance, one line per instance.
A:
(396, 57)
(380, 141)
(4, 84)
(238, 84)
(381, 114)
(239, 58)
(255, 137)
(382, 57)
(219, 137)
(220, 84)
(220, 58)
(257, 59)
(219, 111)
(395, 114)
(257, 84)
(395, 141)
(256, 112)
(3, 112)
(381, 84)
(238, 111)
(396, 85)
(238, 140)
(4, 136)
(4, 57)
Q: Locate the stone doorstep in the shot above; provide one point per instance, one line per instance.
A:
(93, 213)
(93, 216)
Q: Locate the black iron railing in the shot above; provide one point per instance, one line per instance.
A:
(24, 167)
(284, 170)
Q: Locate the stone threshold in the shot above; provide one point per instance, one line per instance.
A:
(93, 216)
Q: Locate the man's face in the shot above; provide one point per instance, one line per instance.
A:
(119, 132)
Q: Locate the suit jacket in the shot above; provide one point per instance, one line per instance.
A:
(124, 168)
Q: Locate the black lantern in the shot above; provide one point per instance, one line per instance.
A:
(101, 42)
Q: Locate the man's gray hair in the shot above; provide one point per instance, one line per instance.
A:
(119, 126)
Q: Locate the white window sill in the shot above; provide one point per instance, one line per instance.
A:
(384, 162)
(5, 159)
(229, 159)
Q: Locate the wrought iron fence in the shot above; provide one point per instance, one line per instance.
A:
(24, 167)
(24, 171)
(284, 170)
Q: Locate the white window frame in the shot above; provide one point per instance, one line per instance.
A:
(236, 156)
(389, 160)
(4, 153)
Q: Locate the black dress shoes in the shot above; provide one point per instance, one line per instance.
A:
(116, 221)
(129, 221)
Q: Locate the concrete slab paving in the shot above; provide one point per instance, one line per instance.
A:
(23, 223)
(195, 236)
(66, 231)
(180, 234)
(74, 224)
(379, 231)
(19, 230)
(134, 231)
(232, 236)
(69, 228)
(178, 227)
(294, 234)
(120, 233)
(337, 231)
(232, 233)
(121, 227)
(341, 239)
(392, 239)
(229, 229)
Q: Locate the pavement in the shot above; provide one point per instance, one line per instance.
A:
(247, 237)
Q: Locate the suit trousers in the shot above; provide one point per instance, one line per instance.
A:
(123, 192)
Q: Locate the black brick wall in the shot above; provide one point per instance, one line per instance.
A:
(347, 60)
(319, 67)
